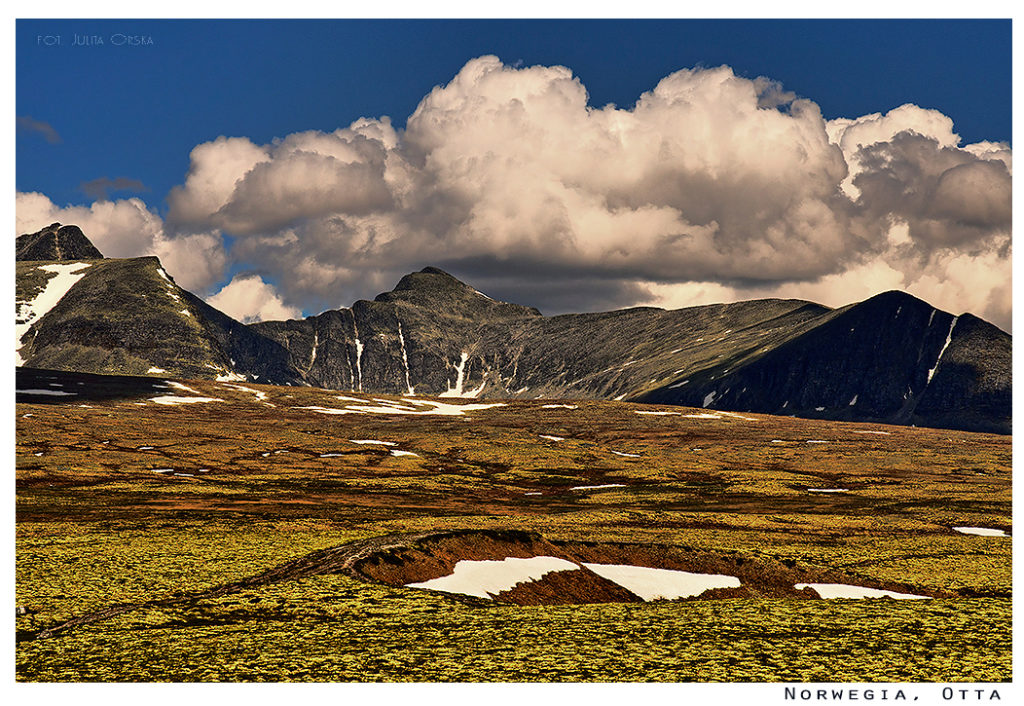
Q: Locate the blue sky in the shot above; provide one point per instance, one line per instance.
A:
(136, 112)
(734, 204)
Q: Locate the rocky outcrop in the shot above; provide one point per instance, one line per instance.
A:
(128, 317)
(56, 242)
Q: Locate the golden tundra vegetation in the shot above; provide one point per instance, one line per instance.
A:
(123, 500)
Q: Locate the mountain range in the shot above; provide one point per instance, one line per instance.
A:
(892, 358)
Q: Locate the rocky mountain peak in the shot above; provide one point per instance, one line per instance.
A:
(434, 289)
(56, 242)
(431, 280)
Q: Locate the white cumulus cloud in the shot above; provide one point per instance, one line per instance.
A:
(249, 299)
(710, 186)
(129, 228)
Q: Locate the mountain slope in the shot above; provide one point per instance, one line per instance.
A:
(128, 317)
(892, 358)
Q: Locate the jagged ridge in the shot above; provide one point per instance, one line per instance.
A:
(892, 358)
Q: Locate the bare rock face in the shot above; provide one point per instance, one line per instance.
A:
(56, 242)
(891, 359)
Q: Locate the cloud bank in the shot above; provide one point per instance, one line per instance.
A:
(249, 299)
(712, 187)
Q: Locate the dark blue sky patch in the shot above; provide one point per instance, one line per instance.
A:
(133, 97)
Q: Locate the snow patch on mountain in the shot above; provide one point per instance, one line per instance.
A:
(949, 338)
(405, 361)
(460, 378)
(52, 393)
(29, 312)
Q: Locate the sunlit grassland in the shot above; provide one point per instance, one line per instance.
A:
(335, 628)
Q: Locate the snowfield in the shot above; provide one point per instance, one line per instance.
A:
(981, 531)
(844, 590)
(261, 396)
(176, 399)
(651, 584)
(409, 406)
(56, 287)
(485, 579)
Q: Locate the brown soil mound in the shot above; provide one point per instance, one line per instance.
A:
(566, 587)
(430, 555)
(416, 558)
